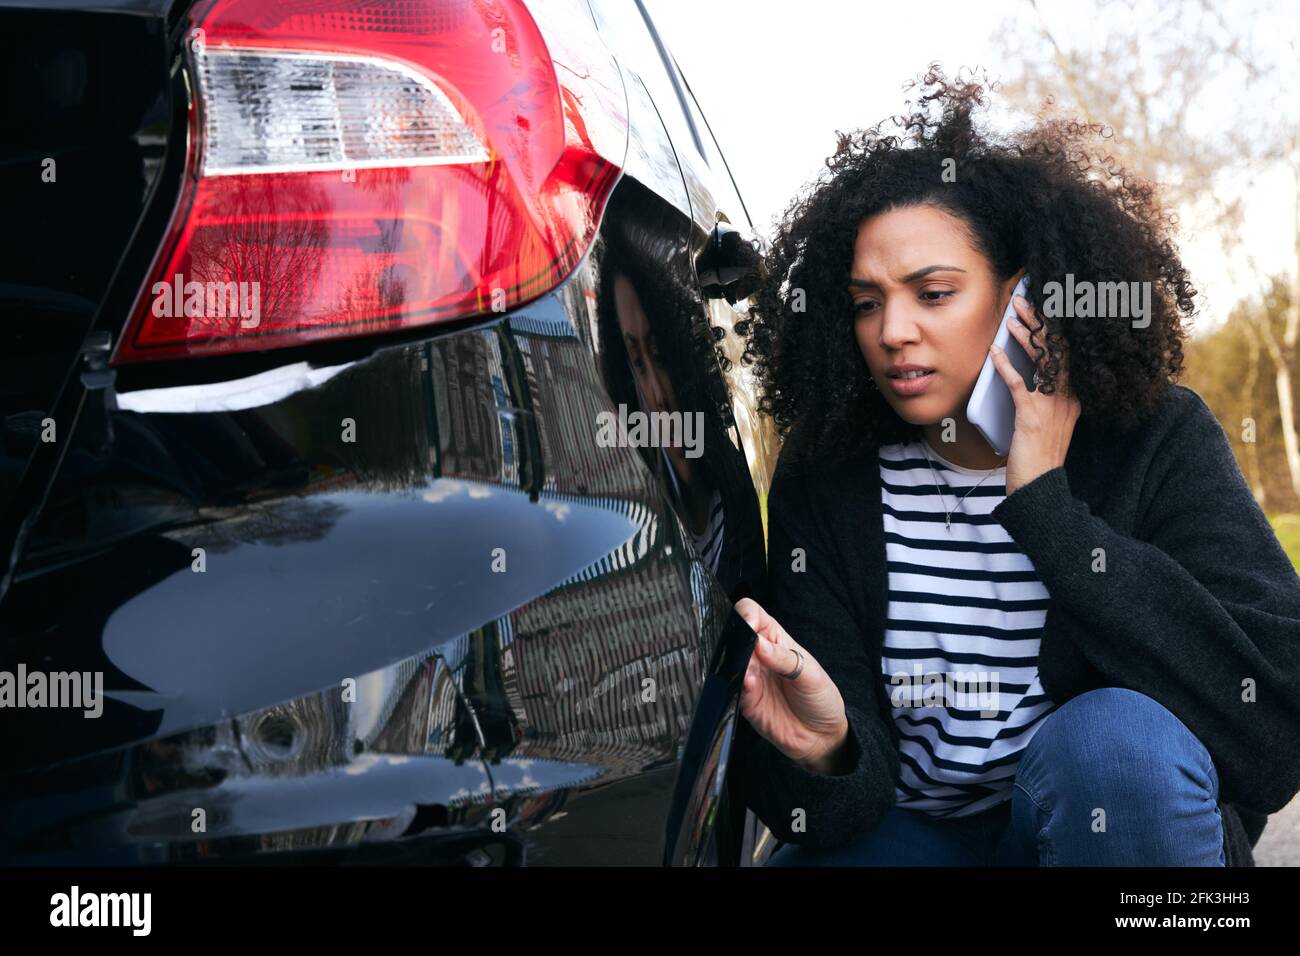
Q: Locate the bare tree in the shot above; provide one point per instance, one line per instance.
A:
(1150, 75)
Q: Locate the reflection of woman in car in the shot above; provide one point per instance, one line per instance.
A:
(1086, 653)
(698, 501)
(658, 358)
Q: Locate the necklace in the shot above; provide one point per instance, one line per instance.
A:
(947, 522)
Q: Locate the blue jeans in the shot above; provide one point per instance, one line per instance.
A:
(1110, 778)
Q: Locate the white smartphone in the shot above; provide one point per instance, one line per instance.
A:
(991, 409)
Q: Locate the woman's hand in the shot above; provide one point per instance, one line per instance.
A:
(1044, 423)
(804, 718)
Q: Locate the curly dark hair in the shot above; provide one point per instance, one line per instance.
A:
(1049, 200)
(689, 347)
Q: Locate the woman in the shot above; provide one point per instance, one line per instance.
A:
(1084, 653)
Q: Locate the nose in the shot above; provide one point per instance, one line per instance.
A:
(652, 384)
(898, 325)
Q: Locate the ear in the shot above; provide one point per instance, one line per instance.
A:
(1010, 285)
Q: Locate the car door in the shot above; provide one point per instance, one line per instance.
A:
(718, 260)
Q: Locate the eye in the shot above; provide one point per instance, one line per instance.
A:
(936, 295)
(865, 307)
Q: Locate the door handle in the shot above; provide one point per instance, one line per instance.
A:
(730, 266)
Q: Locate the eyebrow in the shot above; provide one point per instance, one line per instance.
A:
(910, 277)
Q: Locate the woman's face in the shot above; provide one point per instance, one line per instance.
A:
(926, 306)
(652, 382)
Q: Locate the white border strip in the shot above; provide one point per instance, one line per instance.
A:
(232, 396)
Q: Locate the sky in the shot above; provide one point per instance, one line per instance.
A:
(776, 80)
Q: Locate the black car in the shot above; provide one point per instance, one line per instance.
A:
(378, 468)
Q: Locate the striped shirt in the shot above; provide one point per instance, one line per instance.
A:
(960, 654)
(708, 543)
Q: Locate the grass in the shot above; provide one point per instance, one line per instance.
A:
(1287, 529)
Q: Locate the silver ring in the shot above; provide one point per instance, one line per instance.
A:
(794, 674)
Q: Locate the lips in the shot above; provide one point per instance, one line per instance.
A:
(909, 379)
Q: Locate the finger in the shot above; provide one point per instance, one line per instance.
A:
(756, 677)
(1025, 309)
(751, 697)
(776, 658)
(764, 624)
(1027, 323)
(755, 668)
(753, 614)
(1015, 383)
(1020, 332)
(748, 607)
(777, 652)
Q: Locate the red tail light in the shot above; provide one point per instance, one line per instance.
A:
(359, 166)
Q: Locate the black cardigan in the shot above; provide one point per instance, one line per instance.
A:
(1197, 604)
